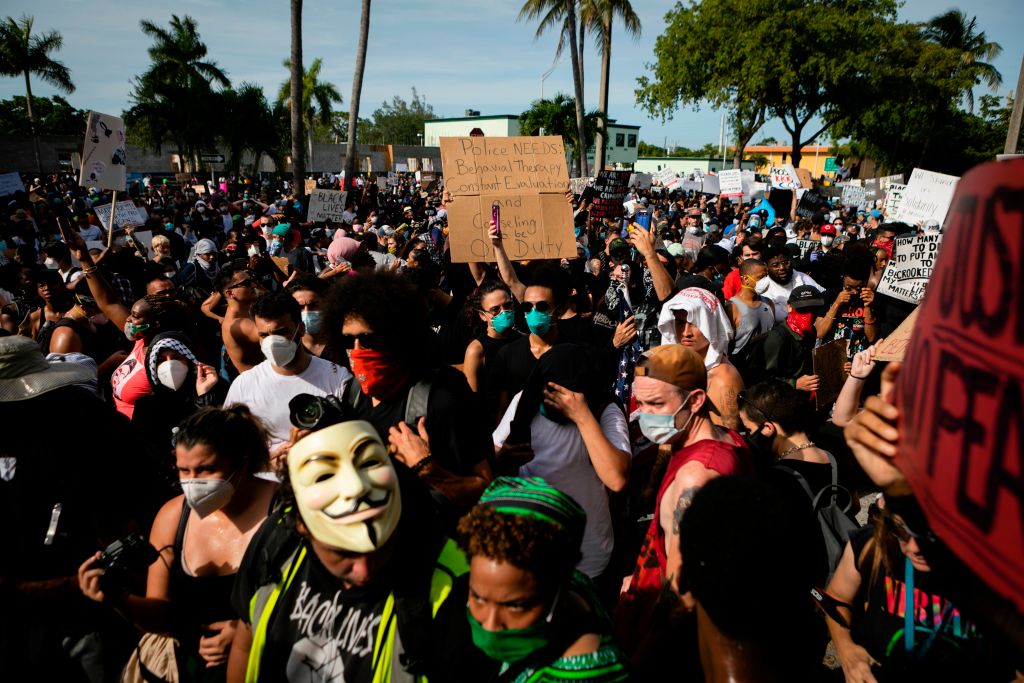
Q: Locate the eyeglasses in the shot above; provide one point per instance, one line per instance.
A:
(903, 532)
(741, 398)
(495, 310)
(541, 306)
(779, 264)
(367, 340)
(247, 282)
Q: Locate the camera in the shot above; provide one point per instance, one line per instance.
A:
(124, 561)
(307, 411)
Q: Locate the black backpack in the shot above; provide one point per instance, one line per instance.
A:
(833, 518)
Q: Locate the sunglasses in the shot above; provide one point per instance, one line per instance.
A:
(741, 399)
(367, 340)
(495, 310)
(541, 306)
(903, 532)
(247, 282)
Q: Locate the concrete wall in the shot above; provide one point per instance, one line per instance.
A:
(684, 165)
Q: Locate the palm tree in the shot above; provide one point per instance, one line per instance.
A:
(351, 160)
(248, 124)
(317, 98)
(174, 98)
(557, 116)
(954, 31)
(295, 95)
(598, 17)
(563, 13)
(24, 54)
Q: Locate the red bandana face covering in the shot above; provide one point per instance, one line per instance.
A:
(379, 373)
(801, 323)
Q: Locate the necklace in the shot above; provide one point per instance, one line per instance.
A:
(794, 449)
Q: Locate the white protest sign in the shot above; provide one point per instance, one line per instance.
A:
(577, 185)
(747, 181)
(893, 199)
(126, 215)
(888, 180)
(665, 175)
(730, 183)
(908, 272)
(710, 185)
(854, 196)
(144, 237)
(641, 181)
(926, 196)
(103, 156)
(785, 178)
(10, 183)
(692, 185)
(807, 246)
(326, 205)
(382, 183)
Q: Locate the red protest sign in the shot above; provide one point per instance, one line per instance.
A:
(961, 388)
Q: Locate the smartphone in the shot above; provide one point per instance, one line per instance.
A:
(496, 217)
(643, 219)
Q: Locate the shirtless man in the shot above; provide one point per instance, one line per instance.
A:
(239, 289)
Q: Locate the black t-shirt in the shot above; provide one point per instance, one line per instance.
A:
(848, 324)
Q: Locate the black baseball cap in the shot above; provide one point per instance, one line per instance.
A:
(805, 297)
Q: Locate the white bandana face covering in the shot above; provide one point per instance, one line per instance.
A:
(345, 486)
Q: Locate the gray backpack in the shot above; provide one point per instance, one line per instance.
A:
(831, 506)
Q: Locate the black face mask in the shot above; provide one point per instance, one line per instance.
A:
(760, 447)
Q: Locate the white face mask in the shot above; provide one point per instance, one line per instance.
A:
(51, 264)
(254, 250)
(207, 495)
(172, 373)
(827, 240)
(280, 351)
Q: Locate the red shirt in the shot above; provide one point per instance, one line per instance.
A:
(731, 287)
(129, 381)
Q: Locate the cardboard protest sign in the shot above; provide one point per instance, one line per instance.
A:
(103, 156)
(959, 390)
(326, 205)
(125, 215)
(382, 183)
(310, 185)
(10, 183)
(805, 178)
(527, 178)
(829, 363)
(893, 199)
(199, 189)
(926, 196)
(282, 263)
(641, 181)
(910, 268)
(853, 196)
(182, 177)
(894, 347)
(610, 189)
(810, 204)
(785, 177)
(730, 184)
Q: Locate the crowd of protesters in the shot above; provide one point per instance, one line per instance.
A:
(239, 445)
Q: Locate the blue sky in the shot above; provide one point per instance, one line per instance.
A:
(458, 54)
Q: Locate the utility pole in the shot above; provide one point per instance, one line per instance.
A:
(1015, 117)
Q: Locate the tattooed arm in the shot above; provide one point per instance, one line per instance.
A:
(724, 385)
(689, 479)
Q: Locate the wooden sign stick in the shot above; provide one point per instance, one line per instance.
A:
(110, 228)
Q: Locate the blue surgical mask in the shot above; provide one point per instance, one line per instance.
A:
(298, 206)
(503, 322)
(312, 321)
(661, 428)
(539, 323)
(275, 248)
(168, 226)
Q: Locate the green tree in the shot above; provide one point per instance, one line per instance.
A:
(54, 116)
(295, 95)
(599, 16)
(25, 54)
(954, 31)
(248, 124)
(400, 122)
(352, 130)
(557, 116)
(317, 98)
(687, 73)
(174, 100)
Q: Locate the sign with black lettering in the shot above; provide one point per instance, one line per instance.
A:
(609, 190)
(526, 177)
(326, 205)
(910, 268)
(807, 246)
(961, 388)
(810, 204)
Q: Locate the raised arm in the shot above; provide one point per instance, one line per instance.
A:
(105, 296)
(505, 269)
(643, 241)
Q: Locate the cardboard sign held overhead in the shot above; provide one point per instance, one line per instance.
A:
(10, 183)
(894, 347)
(829, 363)
(810, 204)
(959, 390)
(908, 272)
(326, 205)
(641, 181)
(103, 156)
(785, 177)
(854, 196)
(310, 185)
(927, 196)
(730, 184)
(610, 189)
(527, 178)
(805, 178)
(893, 199)
(126, 214)
(577, 185)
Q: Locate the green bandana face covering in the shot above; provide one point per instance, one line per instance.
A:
(512, 644)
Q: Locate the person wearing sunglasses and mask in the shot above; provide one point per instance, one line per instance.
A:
(493, 307)
(674, 411)
(527, 608)
(289, 369)
(202, 536)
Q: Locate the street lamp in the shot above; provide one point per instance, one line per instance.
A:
(419, 137)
